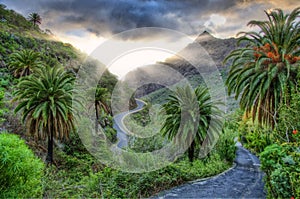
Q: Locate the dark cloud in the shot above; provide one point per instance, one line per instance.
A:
(113, 16)
(108, 17)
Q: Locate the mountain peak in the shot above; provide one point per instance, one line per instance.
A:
(205, 32)
(205, 36)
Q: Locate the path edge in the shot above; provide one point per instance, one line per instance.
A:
(158, 195)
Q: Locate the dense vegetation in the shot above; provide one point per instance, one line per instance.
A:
(265, 77)
(38, 72)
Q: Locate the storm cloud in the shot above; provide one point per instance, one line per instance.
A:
(107, 17)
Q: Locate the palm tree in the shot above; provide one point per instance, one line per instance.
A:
(46, 103)
(101, 104)
(263, 72)
(24, 62)
(35, 18)
(188, 117)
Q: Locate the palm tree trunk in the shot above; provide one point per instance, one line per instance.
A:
(49, 158)
(27, 71)
(191, 151)
(97, 117)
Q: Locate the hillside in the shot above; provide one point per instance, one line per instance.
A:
(16, 34)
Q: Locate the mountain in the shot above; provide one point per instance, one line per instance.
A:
(206, 51)
(216, 48)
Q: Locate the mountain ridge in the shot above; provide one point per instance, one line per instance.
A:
(216, 50)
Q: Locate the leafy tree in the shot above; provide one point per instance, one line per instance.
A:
(46, 103)
(24, 62)
(263, 71)
(183, 109)
(35, 18)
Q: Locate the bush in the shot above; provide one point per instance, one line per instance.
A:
(225, 146)
(3, 110)
(255, 137)
(281, 164)
(20, 170)
(289, 118)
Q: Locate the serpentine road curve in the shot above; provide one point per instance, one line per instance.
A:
(120, 127)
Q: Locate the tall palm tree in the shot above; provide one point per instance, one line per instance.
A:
(263, 72)
(24, 62)
(35, 18)
(45, 99)
(189, 114)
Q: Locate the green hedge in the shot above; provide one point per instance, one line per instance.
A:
(20, 170)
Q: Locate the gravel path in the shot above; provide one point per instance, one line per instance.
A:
(242, 181)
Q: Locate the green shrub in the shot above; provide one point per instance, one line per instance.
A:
(111, 134)
(3, 110)
(255, 137)
(65, 180)
(20, 170)
(281, 164)
(1, 98)
(225, 146)
(143, 145)
(4, 83)
(289, 118)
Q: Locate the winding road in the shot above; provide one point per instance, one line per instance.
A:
(244, 180)
(119, 125)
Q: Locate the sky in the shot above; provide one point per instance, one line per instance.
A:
(88, 23)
